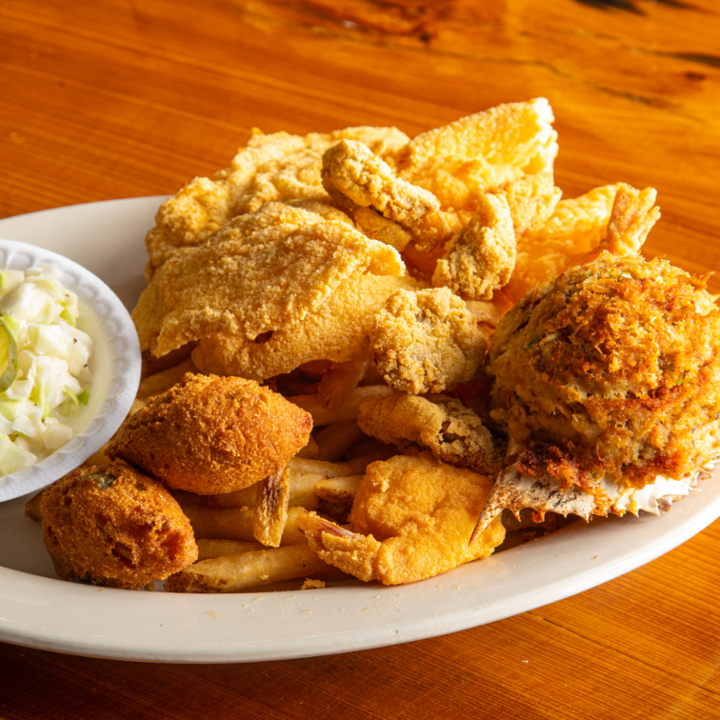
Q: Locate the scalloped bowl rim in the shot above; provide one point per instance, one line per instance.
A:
(116, 365)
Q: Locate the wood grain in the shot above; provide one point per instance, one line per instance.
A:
(120, 98)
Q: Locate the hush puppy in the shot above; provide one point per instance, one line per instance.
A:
(211, 434)
(111, 525)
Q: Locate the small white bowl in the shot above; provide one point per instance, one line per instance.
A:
(115, 366)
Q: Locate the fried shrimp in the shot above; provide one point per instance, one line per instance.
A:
(426, 341)
(481, 257)
(411, 519)
(114, 526)
(438, 423)
(210, 434)
(610, 371)
(366, 187)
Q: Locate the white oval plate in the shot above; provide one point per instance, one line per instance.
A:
(115, 365)
(38, 610)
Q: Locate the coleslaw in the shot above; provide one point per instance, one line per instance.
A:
(44, 366)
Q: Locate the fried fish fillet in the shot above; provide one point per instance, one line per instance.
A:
(411, 519)
(114, 526)
(426, 341)
(532, 199)
(459, 162)
(260, 273)
(438, 423)
(481, 257)
(272, 168)
(614, 217)
(338, 330)
(611, 371)
(211, 434)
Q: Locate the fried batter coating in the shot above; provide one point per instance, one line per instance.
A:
(459, 162)
(357, 179)
(633, 216)
(614, 217)
(532, 200)
(411, 519)
(438, 423)
(211, 434)
(481, 257)
(338, 330)
(610, 371)
(272, 168)
(426, 341)
(111, 525)
(262, 272)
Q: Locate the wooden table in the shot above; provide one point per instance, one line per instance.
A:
(116, 99)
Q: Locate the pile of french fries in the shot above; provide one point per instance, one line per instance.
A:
(251, 537)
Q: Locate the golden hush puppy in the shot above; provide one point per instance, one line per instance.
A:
(211, 434)
(111, 525)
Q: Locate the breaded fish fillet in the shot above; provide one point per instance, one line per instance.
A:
(272, 168)
(211, 434)
(459, 162)
(616, 217)
(532, 199)
(260, 273)
(338, 330)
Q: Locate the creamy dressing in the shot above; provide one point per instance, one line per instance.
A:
(46, 376)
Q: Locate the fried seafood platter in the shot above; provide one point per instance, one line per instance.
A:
(371, 359)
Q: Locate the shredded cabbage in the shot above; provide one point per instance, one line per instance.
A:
(39, 410)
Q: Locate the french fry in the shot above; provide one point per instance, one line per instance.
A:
(341, 379)
(359, 464)
(336, 439)
(371, 446)
(310, 450)
(323, 415)
(271, 508)
(233, 573)
(216, 523)
(219, 523)
(163, 380)
(302, 490)
(339, 490)
(302, 494)
(301, 466)
(215, 548)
